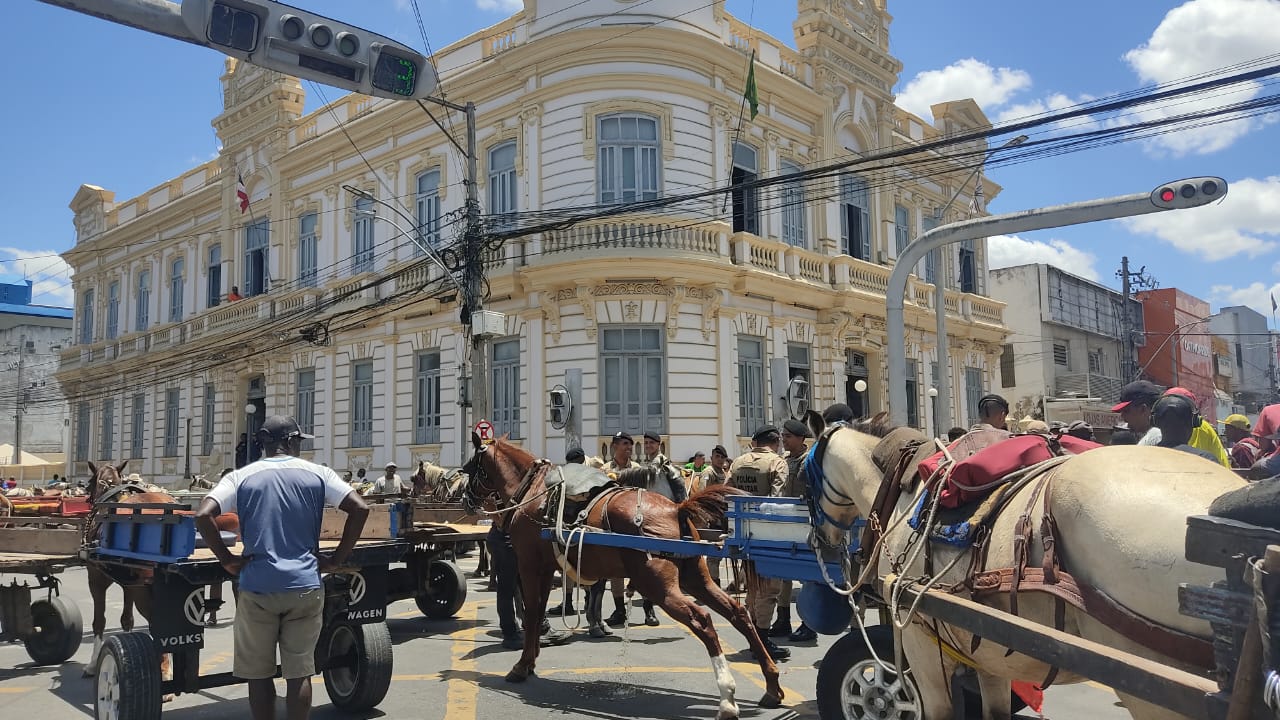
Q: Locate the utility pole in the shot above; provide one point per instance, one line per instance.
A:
(1128, 328)
(19, 403)
(473, 280)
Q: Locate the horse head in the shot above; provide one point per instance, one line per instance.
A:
(495, 473)
(104, 478)
(850, 478)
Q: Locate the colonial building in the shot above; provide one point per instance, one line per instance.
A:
(32, 339)
(1063, 359)
(679, 320)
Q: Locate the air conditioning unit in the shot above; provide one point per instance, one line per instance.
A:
(488, 323)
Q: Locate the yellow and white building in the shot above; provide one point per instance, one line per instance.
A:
(675, 319)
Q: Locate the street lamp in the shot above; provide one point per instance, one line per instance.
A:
(939, 293)
(933, 402)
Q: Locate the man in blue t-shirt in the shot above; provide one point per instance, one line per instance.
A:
(280, 500)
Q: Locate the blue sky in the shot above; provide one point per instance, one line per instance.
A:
(117, 107)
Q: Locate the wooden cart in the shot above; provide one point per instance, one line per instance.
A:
(39, 548)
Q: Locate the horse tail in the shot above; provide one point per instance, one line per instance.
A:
(707, 508)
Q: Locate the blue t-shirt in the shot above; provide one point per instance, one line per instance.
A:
(280, 502)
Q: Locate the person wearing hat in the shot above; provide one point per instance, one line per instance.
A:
(837, 414)
(794, 434)
(281, 602)
(993, 412)
(1269, 465)
(674, 475)
(697, 463)
(762, 471)
(575, 456)
(1243, 448)
(1134, 408)
(1267, 428)
(1203, 435)
(1079, 429)
(389, 483)
(621, 448)
(1177, 417)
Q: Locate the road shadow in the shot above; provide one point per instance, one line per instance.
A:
(222, 708)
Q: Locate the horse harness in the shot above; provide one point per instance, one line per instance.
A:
(898, 460)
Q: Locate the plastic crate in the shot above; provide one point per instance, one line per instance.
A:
(159, 533)
(768, 520)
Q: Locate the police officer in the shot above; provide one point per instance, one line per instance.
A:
(794, 435)
(762, 471)
(621, 448)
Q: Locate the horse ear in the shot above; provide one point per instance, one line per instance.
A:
(93, 469)
(815, 422)
(120, 467)
(475, 441)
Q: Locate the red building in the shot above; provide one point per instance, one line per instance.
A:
(1179, 348)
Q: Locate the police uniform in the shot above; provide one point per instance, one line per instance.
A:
(761, 471)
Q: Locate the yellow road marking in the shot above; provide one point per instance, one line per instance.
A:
(629, 669)
(214, 662)
(15, 690)
(463, 689)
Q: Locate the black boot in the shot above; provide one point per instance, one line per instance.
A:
(782, 626)
(777, 653)
(619, 616)
(650, 618)
(595, 625)
(804, 633)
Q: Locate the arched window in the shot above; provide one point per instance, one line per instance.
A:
(428, 208)
(855, 217)
(502, 183)
(627, 158)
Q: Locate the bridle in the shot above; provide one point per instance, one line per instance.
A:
(474, 502)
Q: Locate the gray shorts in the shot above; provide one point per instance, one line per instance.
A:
(289, 620)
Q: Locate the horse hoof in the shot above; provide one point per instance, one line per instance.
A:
(517, 677)
(770, 701)
(167, 698)
(727, 715)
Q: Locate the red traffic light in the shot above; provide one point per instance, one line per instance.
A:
(1167, 194)
(1189, 193)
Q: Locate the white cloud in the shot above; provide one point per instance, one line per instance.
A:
(1246, 222)
(1055, 102)
(1197, 37)
(969, 78)
(49, 272)
(1009, 250)
(1256, 295)
(501, 5)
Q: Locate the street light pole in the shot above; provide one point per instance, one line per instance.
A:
(942, 415)
(1188, 193)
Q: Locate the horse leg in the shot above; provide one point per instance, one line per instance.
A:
(98, 584)
(696, 580)
(995, 697)
(931, 670)
(532, 581)
(661, 585)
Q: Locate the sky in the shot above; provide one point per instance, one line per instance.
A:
(135, 111)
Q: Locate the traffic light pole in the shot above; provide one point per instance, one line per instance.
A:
(154, 16)
(1025, 221)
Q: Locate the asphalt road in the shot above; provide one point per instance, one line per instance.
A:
(453, 670)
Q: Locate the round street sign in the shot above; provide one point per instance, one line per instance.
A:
(484, 429)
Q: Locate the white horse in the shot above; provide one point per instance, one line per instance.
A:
(1121, 516)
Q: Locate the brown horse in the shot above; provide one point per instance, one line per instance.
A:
(512, 480)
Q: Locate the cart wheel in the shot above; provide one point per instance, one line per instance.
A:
(364, 675)
(127, 685)
(441, 590)
(57, 631)
(852, 686)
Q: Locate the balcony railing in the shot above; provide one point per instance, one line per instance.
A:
(1104, 387)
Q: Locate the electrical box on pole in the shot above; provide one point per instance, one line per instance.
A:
(306, 45)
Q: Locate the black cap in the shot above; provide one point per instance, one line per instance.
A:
(719, 450)
(575, 455)
(652, 436)
(766, 434)
(1143, 392)
(795, 427)
(621, 435)
(280, 428)
(838, 413)
(1174, 407)
(993, 398)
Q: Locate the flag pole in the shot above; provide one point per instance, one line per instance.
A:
(737, 130)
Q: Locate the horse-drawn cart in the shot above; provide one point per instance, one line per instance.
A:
(40, 546)
(154, 545)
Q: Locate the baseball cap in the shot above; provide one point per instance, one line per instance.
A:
(282, 427)
(391, 465)
(621, 435)
(652, 436)
(1174, 405)
(1268, 425)
(1237, 421)
(1183, 392)
(768, 433)
(1143, 392)
(795, 427)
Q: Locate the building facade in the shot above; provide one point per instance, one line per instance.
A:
(1248, 351)
(32, 340)
(1179, 348)
(679, 320)
(1063, 358)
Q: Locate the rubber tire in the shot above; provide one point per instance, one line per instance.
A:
(138, 664)
(372, 646)
(57, 632)
(850, 650)
(441, 591)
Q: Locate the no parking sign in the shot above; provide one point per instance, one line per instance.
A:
(484, 429)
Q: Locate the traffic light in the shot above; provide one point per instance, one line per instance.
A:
(306, 45)
(561, 403)
(1189, 193)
